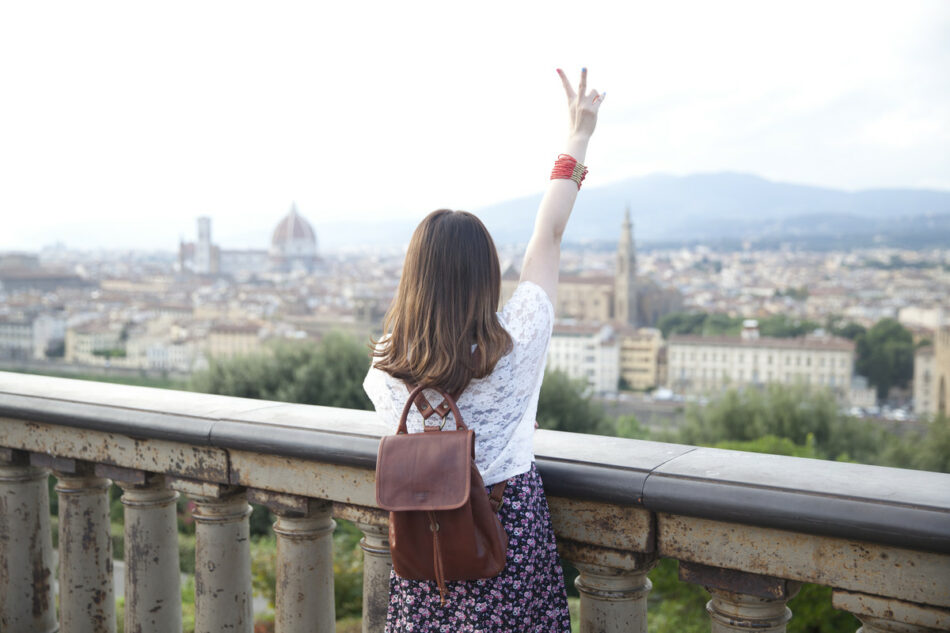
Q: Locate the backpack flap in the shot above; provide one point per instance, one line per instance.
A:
(424, 471)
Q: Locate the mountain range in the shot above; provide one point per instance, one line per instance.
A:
(718, 209)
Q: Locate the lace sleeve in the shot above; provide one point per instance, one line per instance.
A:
(529, 318)
(379, 394)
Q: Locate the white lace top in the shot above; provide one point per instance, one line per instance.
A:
(501, 407)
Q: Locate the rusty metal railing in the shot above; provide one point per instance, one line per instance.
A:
(750, 528)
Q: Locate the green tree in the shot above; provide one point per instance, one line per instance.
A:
(564, 406)
(850, 330)
(328, 373)
(721, 324)
(699, 323)
(885, 355)
(675, 606)
(629, 426)
(682, 323)
(772, 445)
(782, 326)
(934, 447)
(760, 419)
(812, 612)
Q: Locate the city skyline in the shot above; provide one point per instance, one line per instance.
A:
(129, 115)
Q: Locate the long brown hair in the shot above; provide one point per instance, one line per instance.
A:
(446, 302)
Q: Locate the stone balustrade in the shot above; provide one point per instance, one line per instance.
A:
(750, 528)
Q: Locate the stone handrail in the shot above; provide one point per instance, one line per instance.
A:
(748, 527)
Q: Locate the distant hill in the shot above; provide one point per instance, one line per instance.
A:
(724, 208)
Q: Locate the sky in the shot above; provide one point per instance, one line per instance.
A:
(122, 122)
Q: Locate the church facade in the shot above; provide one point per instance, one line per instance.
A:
(625, 299)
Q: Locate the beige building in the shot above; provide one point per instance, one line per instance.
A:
(585, 298)
(942, 370)
(94, 343)
(227, 340)
(921, 317)
(586, 351)
(707, 365)
(925, 384)
(640, 356)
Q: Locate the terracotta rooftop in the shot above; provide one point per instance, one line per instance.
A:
(802, 342)
(600, 280)
(292, 228)
(235, 328)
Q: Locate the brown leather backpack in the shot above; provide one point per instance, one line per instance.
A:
(442, 524)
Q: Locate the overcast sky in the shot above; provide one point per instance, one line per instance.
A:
(121, 122)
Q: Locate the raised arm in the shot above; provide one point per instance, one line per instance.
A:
(543, 256)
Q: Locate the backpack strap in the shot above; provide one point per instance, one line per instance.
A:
(425, 407)
(448, 405)
(497, 496)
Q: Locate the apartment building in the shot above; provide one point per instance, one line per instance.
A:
(640, 357)
(925, 381)
(587, 351)
(709, 364)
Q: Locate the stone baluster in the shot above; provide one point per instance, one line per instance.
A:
(222, 557)
(26, 548)
(152, 572)
(377, 565)
(614, 598)
(889, 615)
(743, 601)
(86, 593)
(304, 531)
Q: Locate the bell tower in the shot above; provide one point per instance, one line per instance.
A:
(625, 282)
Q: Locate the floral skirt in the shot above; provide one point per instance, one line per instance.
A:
(527, 596)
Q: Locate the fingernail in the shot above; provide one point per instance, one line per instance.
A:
(584, 70)
(558, 69)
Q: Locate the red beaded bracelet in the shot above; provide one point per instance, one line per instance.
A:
(566, 167)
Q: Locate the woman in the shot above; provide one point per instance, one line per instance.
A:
(442, 330)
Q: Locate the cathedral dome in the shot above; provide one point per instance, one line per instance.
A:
(293, 230)
(294, 243)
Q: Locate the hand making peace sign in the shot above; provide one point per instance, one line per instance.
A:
(582, 105)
